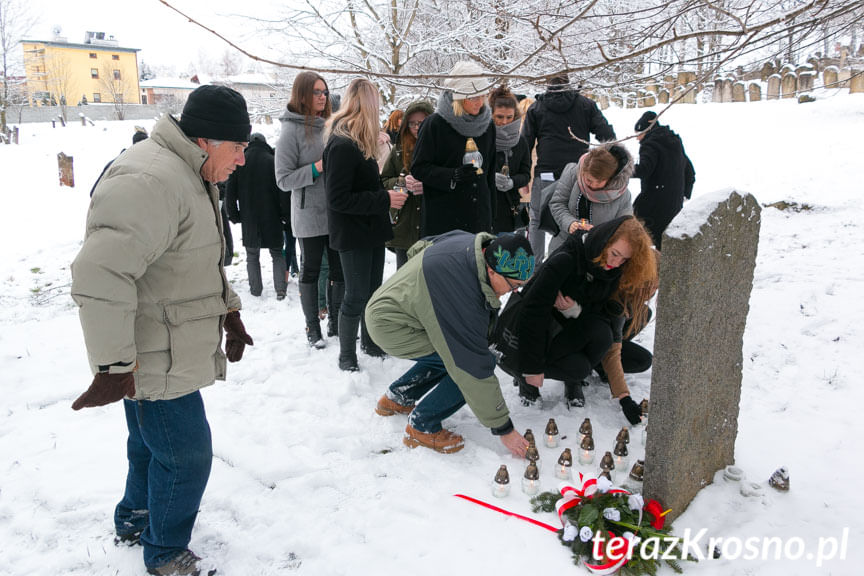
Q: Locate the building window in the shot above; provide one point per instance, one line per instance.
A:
(97, 97)
(115, 57)
(94, 73)
(116, 74)
(93, 55)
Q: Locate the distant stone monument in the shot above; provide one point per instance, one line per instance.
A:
(856, 82)
(706, 275)
(663, 96)
(738, 93)
(773, 87)
(829, 77)
(754, 91)
(788, 85)
(727, 90)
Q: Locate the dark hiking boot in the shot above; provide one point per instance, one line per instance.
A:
(348, 342)
(129, 538)
(529, 395)
(388, 407)
(573, 394)
(443, 441)
(186, 563)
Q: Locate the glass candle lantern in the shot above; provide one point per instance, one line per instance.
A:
(563, 470)
(607, 464)
(623, 436)
(621, 455)
(551, 434)
(644, 406)
(531, 480)
(585, 429)
(586, 450)
(472, 155)
(638, 471)
(529, 435)
(533, 455)
(501, 483)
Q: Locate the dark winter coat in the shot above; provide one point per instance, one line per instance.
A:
(569, 270)
(357, 204)
(546, 125)
(667, 178)
(448, 206)
(518, 161)
(406, 226)
(253, 199)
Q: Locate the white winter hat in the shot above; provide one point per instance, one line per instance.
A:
(466, 87)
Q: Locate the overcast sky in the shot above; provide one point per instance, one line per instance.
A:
(162, 35)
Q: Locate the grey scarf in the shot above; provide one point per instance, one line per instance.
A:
(507, 136)
(466, 125)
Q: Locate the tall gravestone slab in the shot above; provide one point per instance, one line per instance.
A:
(706, 274)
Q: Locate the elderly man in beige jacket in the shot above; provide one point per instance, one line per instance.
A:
(154, 301)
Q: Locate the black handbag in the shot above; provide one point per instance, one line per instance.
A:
(505, 336)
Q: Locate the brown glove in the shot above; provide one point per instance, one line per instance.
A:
(105, 389)
(236, 337)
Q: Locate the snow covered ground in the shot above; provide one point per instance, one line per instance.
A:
(307, 478)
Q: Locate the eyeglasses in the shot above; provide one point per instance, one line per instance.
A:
(513, 287)
(318, 93)
(414, 124)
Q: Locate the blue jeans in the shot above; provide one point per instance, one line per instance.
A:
(442, 401)
(170, 453)
(363, 270)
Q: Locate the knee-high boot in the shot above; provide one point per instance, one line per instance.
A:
(348, 342)
(309, 303)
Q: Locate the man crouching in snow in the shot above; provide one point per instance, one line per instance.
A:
(153, 298)
(438, 310)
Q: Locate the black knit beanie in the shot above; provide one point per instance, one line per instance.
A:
(645, 121)
(216, 112)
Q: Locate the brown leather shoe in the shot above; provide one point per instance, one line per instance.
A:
(387, 407)
(442, 441)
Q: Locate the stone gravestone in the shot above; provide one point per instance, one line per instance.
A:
(774, 87)
(788, 86)
(856, 82)
(754, 92)
(829, 77)
(67, 172)
(738, 93)
(706, 274)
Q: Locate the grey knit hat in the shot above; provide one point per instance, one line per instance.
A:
(463, 88)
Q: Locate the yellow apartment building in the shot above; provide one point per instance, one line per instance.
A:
(97, 70)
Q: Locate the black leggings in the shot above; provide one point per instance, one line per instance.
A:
(579, 346)
(311, 250)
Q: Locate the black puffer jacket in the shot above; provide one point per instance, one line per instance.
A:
(667, 178)
(546, 125)
(568, 270)
(253, 199)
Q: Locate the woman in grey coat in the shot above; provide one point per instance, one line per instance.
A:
(299, 171)
(592, 191)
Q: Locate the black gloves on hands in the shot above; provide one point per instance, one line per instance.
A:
(464, 174)
(236, 337)
(631, 409)
(105, 389)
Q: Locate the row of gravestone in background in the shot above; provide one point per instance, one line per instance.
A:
(786, 82)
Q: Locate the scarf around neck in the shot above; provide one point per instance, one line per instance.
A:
(507, 136)
(614, 189)
(466, 125)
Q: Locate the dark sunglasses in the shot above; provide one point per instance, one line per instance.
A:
(317, 93)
